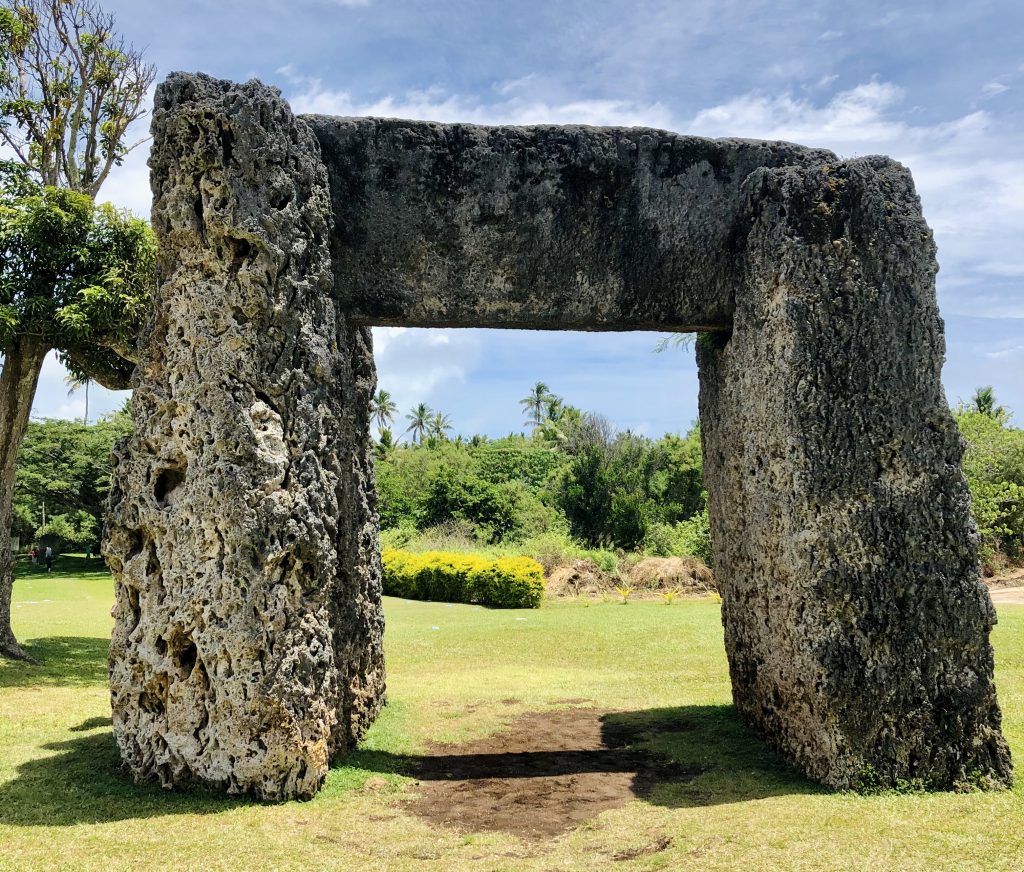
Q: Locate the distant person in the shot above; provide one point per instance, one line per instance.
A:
(48, 557)
(35, 553)
(88, 552)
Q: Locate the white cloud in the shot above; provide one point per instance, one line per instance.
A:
(968, 170)
(436, 104)
(128, 185)
(994, 88)
(414, 364)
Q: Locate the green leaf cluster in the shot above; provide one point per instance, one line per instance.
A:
(994, 466)
(73, 276)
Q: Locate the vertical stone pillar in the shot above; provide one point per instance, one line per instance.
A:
(856, 625)
(247, 645)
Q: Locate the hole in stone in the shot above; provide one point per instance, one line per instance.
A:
(281, 199)
(134, 608)
(185, 657)
(152, 562)
(134, 544)
(168, 480)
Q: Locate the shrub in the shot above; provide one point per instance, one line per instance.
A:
(508, 582)
(994, 465)
(689, 538)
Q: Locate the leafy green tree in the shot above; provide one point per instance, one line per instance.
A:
(383, 408)
(994, 466)
(65, 465)
(73, 277)
(536, 404)
(681, 489)
(419, 422)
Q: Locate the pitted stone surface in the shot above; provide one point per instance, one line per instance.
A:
(247, 646)
(561, 228)
(856, 623)
(247, 643)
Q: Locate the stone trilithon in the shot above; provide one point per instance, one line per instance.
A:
(247, 646)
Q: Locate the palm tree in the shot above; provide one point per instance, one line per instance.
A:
(75, 383)
(984, 401)
(383, 409)
(535, 404)
(420, 422)
(440, 424)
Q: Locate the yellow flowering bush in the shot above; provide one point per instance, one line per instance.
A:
(508, 582)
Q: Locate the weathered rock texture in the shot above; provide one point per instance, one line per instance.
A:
(247, 643)
(243, 538)
(564, 228)
(856, 625)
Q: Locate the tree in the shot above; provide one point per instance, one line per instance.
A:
(383, 409)
(535, 404)
(439, 425)
(75, 384)
(984, 402)
(70, 88)
(419, 419)
(74, 277)
(65, 465)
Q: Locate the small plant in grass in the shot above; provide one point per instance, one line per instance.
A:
(670, 595)
(625, 593)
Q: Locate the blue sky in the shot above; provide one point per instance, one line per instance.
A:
(937, 85)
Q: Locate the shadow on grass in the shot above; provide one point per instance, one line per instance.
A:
(83, 783)
(684, 757)
(61, 661)
(698, 756)
(732, 763)
(65, 565)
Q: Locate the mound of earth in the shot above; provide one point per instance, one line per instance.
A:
(578, 578)
(685, 574)
(550, 772)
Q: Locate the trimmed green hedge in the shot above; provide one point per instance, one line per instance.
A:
(508, 582)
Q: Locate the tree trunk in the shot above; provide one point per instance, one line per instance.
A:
(23, 360)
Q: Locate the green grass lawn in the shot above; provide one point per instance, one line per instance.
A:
(457, 673)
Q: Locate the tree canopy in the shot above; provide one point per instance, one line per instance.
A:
(73, 276)
(70, 88)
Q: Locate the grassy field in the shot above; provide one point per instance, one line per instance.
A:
(458, 673)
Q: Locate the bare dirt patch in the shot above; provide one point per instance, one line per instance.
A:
(550, 772)
(1011, 577)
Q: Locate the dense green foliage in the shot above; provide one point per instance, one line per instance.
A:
(73, 276)
(601, 488)
(507, 583)
(64, 468)
(994, 465)
(586, 492)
